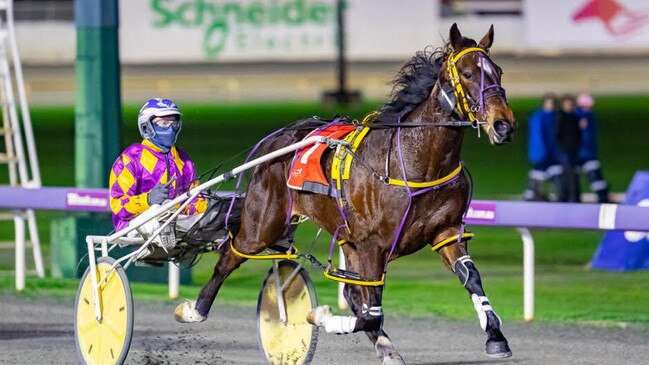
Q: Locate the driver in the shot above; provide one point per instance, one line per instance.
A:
(154, 170)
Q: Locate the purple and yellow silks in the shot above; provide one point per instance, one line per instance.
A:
(138, 169)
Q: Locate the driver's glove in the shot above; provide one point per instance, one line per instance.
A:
(158, 194)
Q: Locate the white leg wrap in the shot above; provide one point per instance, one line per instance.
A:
(481, 305)
(340, 324)
(323, 317)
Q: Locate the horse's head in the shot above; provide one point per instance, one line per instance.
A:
(471, 86)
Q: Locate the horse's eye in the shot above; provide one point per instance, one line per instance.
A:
(467, 75)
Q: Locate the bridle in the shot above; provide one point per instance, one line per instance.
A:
(461, 101)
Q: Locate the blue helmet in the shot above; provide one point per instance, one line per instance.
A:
(157, 107)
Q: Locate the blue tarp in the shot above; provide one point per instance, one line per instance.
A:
(626, 250)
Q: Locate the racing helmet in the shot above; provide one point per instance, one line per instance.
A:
(157, 107)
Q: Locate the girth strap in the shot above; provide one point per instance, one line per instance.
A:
(426, 184)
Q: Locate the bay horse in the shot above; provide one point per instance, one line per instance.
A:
(416, 137)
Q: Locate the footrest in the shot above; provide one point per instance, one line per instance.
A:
(345, 274)
(283, 253)
(351, 277)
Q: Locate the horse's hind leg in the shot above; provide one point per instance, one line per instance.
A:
(263, 222)
(456, 258)
(196, 311)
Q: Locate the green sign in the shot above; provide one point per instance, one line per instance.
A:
(251, 26)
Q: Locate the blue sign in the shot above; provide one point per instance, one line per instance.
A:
(627, 250)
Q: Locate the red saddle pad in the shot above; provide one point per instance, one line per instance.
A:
(306, 172)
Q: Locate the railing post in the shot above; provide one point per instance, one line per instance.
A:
(19, 223)
(174, 280)
(528, 273)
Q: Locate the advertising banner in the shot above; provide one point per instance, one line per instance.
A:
(587, 24)
(168, 31)
(226, 30)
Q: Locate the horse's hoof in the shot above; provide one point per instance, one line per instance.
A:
(393, 361)
(386, 351)
(498, 349)
(186, 313)
(319, 315)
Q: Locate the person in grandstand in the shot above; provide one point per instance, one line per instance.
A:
(587, 155)
(542, 151)
(568, 143)
(154, 170)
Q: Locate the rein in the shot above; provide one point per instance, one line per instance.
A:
(449, 123)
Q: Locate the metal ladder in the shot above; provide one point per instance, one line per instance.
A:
(14, 155)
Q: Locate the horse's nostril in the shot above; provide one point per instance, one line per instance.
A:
(502, 128)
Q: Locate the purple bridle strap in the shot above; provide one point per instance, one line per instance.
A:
(483, 89)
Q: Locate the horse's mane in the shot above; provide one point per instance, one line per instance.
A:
(414, 82)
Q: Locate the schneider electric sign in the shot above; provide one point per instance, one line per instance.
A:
(227, 29)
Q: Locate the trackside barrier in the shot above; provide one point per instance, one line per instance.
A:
(516, 214)
(524, 215)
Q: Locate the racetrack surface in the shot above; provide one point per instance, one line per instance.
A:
(41, 332)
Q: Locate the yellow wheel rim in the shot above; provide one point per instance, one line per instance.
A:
(108, 341)
(295, 341)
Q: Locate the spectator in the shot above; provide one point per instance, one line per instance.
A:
(568, 142)
(542, 151)
(587, 155)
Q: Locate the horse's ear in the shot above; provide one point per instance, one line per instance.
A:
(488, 39)
(455, 37)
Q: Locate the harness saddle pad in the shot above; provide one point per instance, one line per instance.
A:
(306, 171)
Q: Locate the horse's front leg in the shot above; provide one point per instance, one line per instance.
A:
(456, 258)
(365, 303)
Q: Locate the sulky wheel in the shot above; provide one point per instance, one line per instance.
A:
(293, 341)
(106, 341)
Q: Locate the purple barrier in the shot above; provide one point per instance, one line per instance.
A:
(481, 212)
(558, 215)
(55, 198)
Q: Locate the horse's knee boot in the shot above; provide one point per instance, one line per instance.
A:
(371, 319)
(468, 275)
(466, 271)
(470, 278)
